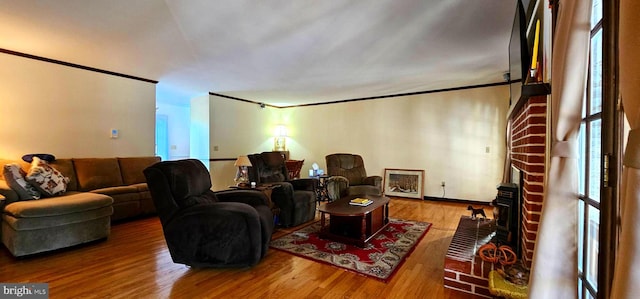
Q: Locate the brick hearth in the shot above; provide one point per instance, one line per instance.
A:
(464, 271)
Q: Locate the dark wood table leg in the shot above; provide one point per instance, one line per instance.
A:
(363, 230)
(322, 222)
(386, 213)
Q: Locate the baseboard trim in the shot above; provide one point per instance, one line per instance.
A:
(471, 202)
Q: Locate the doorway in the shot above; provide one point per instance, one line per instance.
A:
(162, 136)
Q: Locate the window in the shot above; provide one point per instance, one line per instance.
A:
(589, 163)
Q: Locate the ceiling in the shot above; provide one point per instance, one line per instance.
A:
(277, 52)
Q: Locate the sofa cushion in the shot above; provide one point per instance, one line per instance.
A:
(65, 166)
(131, 168)
(126, 197)
(96, 173)
(116, 190)
(14, 176)
(8, 193)
(142, 187)
(73, 202)
(34, 223)
(48, 180)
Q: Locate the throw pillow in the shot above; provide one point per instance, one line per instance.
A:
(46, 179)
(14, 175)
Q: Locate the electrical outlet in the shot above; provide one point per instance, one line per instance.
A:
(442, 184)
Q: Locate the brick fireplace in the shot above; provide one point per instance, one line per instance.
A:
(528, 144)
(464, 271)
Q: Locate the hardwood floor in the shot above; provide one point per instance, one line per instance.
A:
(134, 263)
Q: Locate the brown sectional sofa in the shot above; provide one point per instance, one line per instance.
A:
(120, 178)
(100, 190)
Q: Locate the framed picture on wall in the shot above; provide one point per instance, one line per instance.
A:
(403, 183)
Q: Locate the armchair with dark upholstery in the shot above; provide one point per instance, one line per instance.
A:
(203, 228)
(295, 198)
(348, 177)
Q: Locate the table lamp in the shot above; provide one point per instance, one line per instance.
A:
(280, 140)
(242, 176)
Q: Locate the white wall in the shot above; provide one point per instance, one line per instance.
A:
(69, 112)
(199, 129)
(179, 122)
(445, 134)
(237, 128)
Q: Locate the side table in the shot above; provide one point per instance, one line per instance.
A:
(322, 193)
(267, 189)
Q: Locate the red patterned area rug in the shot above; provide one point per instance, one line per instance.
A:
(380, 259)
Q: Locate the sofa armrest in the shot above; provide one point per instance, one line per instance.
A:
(8, 193)
(304, 184)
(374, 180)
(337, 187)
(250, 197)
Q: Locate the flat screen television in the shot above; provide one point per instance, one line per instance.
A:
(518, 53)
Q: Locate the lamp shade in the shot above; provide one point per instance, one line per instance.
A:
(281, 131)
(242, 161)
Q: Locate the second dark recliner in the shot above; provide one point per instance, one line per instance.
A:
(295, 198)
(348, 177)
(203, 228)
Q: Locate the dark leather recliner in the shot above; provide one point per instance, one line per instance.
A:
(349, 177)
(203, 228)
(295, 198)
